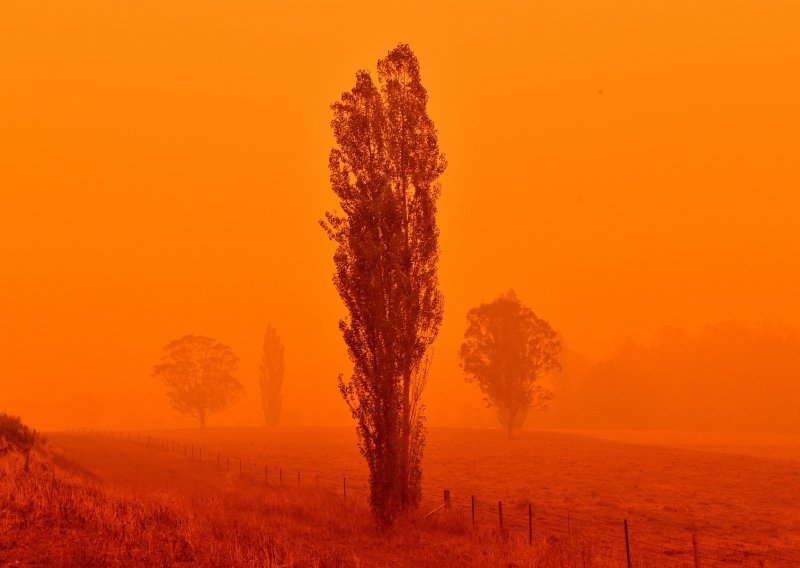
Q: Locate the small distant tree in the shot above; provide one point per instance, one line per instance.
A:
(507, 349)
(271, 376)
(384, 170)
(199, 372)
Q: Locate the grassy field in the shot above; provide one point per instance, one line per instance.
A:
(88, 501)
(159, 506)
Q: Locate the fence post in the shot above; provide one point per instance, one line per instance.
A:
(530, 524)
(447, 499)
(696, 551)
(627, 544)
(473, 510)
(500, 513)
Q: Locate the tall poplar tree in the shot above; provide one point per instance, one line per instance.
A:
(270, 376)
(384, 170)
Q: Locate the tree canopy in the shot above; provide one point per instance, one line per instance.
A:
(199, 372)
(507, 350)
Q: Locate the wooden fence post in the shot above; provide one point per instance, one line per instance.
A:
(447, 499)
(500, 513)
(473, 510)
(627, 544)
(696, 551)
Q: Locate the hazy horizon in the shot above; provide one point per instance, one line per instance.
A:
(164, 167)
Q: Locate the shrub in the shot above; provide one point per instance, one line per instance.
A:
(14, 435)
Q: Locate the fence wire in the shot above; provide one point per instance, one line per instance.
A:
(642, 546)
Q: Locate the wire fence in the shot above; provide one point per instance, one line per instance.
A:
(616, 541)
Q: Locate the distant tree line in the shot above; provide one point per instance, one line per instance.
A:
(727, 377)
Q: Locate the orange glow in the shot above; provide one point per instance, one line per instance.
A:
(163, 166)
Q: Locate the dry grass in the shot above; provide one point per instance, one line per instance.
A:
(665, 492)
(99, 501)
(58, 514)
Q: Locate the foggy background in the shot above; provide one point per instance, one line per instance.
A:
(163, 168)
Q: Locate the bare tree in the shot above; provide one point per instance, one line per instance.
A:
(507, 349)
(271, 376)
(384, 170)
(199, 372)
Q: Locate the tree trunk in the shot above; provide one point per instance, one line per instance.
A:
(405, 467)
(512, 418)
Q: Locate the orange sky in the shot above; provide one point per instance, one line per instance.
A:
(163, 165)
